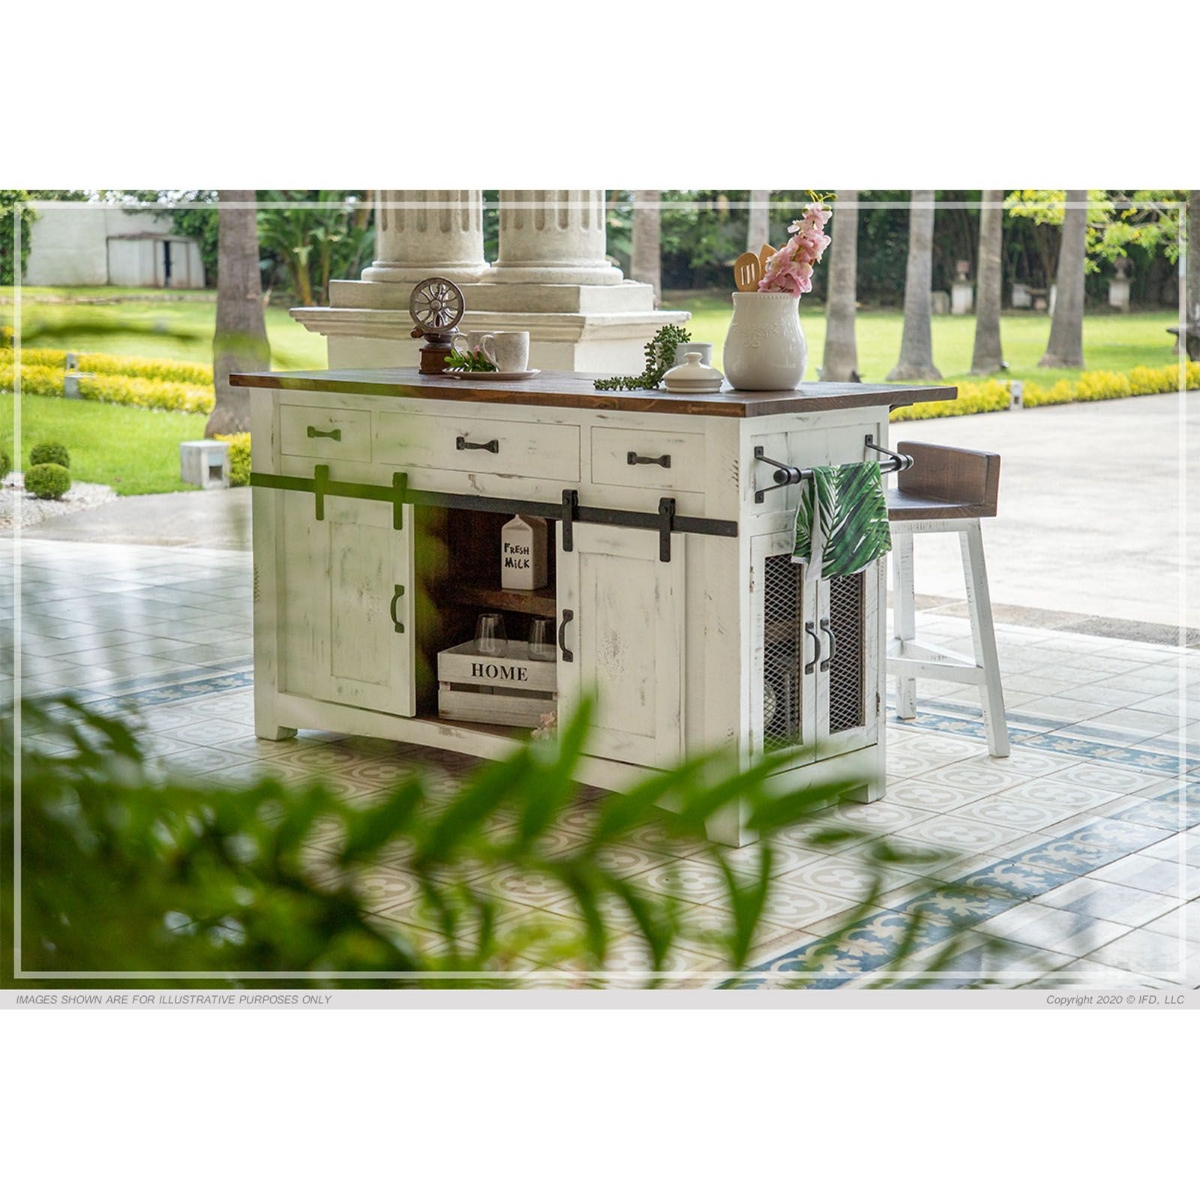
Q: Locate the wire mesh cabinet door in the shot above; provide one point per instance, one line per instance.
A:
(785, 648)
(848, 683)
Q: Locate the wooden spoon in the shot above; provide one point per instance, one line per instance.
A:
(747, 271)
(764, 254)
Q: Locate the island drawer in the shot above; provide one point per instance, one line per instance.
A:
(486, 446)
(648, 458)
(342, 434)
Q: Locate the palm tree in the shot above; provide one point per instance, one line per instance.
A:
(645, 261)
(240, 342)
(916, 344)
(758, 228)
(988, 356)
(1065, 348)
(841, 350)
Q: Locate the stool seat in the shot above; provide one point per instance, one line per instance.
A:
(947, 489)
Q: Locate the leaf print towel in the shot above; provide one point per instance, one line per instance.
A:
(842, 521)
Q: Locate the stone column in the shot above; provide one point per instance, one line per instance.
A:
(553, 237)
(423, 233)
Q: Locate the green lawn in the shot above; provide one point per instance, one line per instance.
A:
(133, 450)
(1110, 341)
(143, 326)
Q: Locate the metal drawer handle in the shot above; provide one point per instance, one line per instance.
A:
(395, 601)
(832, 645)
(492, 447)
(634, 459)
(811, 630)
(567, 617)
(314, 432)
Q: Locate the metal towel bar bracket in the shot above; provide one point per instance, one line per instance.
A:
(785, 474)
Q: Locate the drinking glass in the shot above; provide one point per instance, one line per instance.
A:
(490, 638)
(541, 640)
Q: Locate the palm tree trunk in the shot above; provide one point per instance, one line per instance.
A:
(758, 230)
(240, 342)
(841, 349)
(1192, 278)
(1065, 348)
(645, 260)
(916, 344)
(988, 356)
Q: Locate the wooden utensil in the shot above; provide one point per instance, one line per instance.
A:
(747, 271)
(764, 254)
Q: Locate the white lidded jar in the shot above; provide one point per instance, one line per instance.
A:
(765, 350)
(523, 564)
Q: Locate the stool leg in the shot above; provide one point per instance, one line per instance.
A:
(904, 618)
(983, 633)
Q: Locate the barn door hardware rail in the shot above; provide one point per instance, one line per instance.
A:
(785, 474)
(665, 521)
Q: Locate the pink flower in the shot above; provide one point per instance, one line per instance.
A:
(790, 269)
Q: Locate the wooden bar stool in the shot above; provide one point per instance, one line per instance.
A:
(947, 490)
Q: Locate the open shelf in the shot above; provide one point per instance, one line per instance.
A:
(539, 603)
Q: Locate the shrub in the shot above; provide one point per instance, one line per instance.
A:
(148, 368)
(5, 463)
(147, 393)
(35, 358)
(49, 452)
(48, 481)
(988, 396)
(35, 380)
(239, 458)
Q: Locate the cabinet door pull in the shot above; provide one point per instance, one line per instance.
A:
(395, 601)
(567, 617)
(314, 432)
(492, 447)
(634, 459)
(811, 629)
(832, 644)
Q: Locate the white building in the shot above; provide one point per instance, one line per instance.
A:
(93, 245)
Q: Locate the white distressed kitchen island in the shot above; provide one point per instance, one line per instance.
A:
(378, 500)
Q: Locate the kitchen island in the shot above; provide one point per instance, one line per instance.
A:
(379, 496)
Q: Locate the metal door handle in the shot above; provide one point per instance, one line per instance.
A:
(832, 644)
(492, 447)
(811, 630)
(314, 432)
(567, 617)
(395, 601)
(635, 459)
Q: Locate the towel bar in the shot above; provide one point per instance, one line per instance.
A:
(785, 475)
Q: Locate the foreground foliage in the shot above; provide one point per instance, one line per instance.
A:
(125, 871)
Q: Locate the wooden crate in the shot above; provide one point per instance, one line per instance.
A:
(510, 690)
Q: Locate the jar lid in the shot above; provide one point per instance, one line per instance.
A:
(693, 376)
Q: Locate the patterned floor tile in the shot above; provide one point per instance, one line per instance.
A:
(1150, 874)
(925, 793)
(1149, 952)
(1108, 901)
(957, 832)
(1014, 810)
(1063, 931)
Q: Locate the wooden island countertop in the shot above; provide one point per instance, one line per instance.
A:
(564, 389)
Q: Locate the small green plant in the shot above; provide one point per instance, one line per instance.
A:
(48, 481)
(5, 463)
(49, 452)
(239, 458)
(660, 358)
(474, 361)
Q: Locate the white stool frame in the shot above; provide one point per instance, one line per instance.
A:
(909, 659)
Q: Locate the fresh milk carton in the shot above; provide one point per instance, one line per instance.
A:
(523, 564)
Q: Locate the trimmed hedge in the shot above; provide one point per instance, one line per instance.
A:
(197, 374)
(989, 396)
(35, 380)
(1112, 385)
(48, 481)
(147, 393)
(49, 452)
(239, 458)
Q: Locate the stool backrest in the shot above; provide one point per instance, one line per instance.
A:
(970, 478)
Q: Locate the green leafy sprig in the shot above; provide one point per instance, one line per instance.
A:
(475, 361)
(660, 358)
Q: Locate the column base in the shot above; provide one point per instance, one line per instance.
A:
(591, 343)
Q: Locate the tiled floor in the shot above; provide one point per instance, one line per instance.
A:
(1073, 863)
